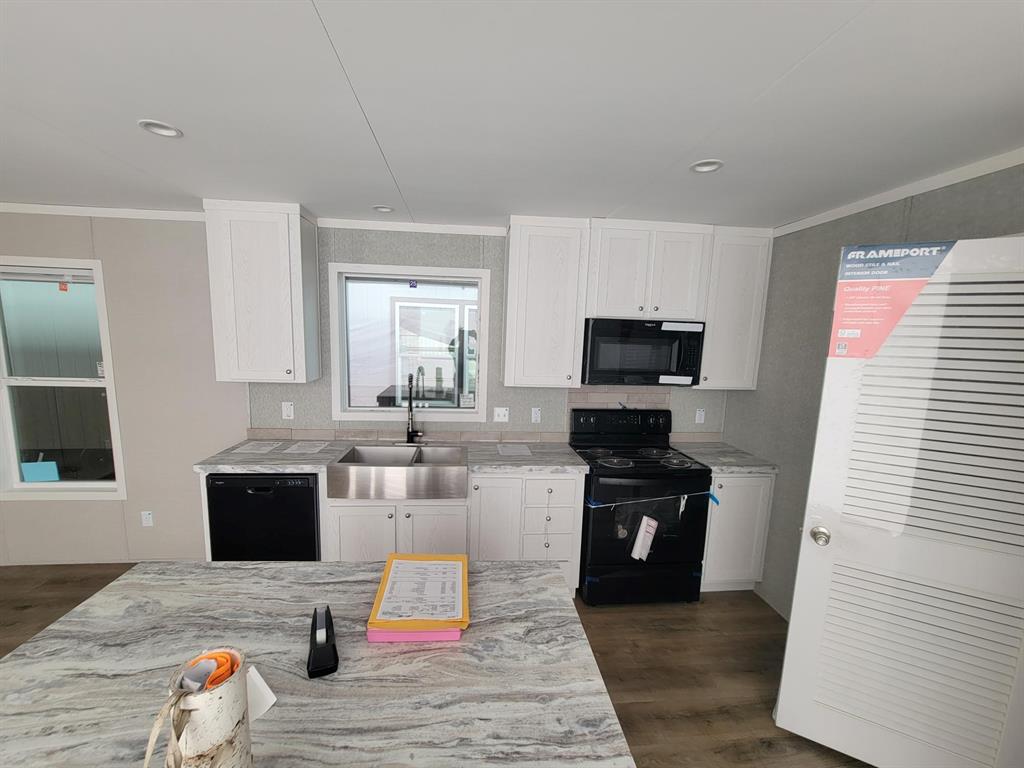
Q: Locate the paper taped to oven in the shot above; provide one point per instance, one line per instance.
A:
(644, 538)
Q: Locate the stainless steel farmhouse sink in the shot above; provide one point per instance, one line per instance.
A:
(399, 472)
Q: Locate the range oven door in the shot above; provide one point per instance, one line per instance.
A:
(615, 508)
(642, 352)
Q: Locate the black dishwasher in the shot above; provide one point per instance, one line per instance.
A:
(263, 517)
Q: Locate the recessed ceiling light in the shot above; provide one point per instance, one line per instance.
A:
(706, 166)
(383, 208)
(160, 128)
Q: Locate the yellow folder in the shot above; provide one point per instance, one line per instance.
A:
(420, 624)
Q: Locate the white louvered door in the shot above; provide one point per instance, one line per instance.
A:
(907, 634)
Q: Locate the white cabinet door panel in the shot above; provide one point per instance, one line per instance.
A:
(735, 311)
(679, 276)
(623, 264)
(366, 534)
(436, 530)
(495, 518)
(737, 527)
(546, 304)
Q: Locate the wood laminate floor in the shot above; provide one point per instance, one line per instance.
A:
(693, 684)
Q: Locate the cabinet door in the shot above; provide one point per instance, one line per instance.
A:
(366, 533)
(496, 507)
(251, 295)
(679, 275)
(546, 305)
(435, 530)
(735, 311)
(622, 273)
(737, 528)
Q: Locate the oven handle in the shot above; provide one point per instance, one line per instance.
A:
(591, 504)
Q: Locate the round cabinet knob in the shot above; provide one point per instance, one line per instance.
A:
(548, 518)
(641, 307)
(549, 490)
(719, 486)
(390, 515)
(655, 309)
(547, 544)
(569, 377)
(289, 371)
(408, 515)
(476, 487)
(705, 378)
(821, 535)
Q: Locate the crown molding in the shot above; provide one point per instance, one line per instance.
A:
(103, 213)
(410, 226)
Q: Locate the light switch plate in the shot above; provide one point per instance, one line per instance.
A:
(147, 518)
(699, 419)
(535, 415)
(287, 411)
(501, 414)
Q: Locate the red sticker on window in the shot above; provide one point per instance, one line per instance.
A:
(62, 286)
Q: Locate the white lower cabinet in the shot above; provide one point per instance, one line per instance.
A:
(369, 532)
(529, 517)
(737, 531)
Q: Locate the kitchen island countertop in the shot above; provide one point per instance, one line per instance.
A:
(521, 686)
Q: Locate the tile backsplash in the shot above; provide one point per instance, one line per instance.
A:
(313, 400)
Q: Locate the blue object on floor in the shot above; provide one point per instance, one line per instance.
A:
(39, 471)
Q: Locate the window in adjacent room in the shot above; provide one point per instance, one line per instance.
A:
(388, 323)
(58, 421)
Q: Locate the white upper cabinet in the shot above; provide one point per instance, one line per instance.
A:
(648, 269)
(264, 291)
(734, 318)
(546, 301)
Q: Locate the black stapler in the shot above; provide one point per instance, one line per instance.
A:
(323, 653)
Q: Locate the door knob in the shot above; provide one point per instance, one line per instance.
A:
(821, 535)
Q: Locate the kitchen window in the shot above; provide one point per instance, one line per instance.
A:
(388, 323)
(58, 419)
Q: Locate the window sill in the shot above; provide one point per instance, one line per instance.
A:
(51, 492)
(419, 415)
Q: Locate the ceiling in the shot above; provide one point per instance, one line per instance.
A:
(467, 112)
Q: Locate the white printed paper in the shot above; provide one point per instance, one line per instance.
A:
(260, 697)
(257, 446)
(682, 326)
(306, 446)
(514, 449)
(423, 589)
(644, 538)
(675, 379)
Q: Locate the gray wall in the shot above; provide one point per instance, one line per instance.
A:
(416, 249)
(778, 420)
(171, 411)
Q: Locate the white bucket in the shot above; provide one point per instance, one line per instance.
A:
(210, 728)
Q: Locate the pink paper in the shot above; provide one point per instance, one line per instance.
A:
(419, 636)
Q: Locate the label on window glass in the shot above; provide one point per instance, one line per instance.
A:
(99, 369)
(62, 286)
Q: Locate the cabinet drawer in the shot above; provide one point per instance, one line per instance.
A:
(559, 546)
(547, 519)
(551, 492)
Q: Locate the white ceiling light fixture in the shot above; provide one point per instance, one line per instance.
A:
(383, 209)
(706, 166)
(160, 128)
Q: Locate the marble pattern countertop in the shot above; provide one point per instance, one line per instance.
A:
(482, 457)
(726, 459)
(521, 686)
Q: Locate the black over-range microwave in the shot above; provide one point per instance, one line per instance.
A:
(642, 352)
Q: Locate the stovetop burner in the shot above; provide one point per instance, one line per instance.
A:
(656, 453)
(614, 463)
(677, 462)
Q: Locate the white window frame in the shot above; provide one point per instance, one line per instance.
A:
(11, 485)
(339, 342)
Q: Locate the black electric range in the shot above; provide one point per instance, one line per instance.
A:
(634, 474)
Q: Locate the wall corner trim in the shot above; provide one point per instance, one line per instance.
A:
(954, 176)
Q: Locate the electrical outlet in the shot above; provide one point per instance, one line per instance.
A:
(501, 414)
(699, 419)
(147, 519)
(535, 415)
(287, 411)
